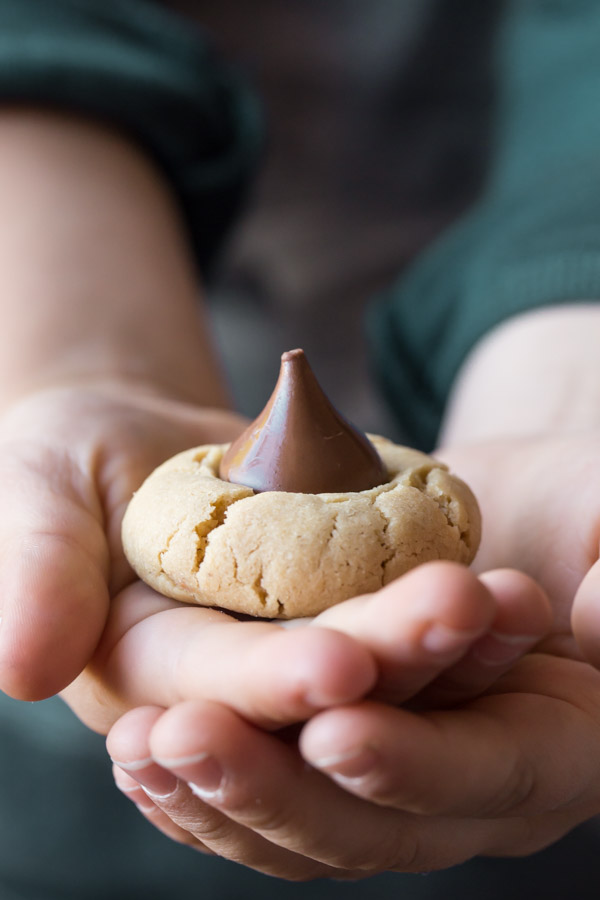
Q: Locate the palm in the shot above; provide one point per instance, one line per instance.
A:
(540, 507)
(69, 461)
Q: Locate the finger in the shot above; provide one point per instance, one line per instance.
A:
(523, 617)
(166, 652)
(170, 805)
(417, 626)
(134, 792)
(585, 616)
(128, 746)
(53, 572)
(503, 755)
(261, 783)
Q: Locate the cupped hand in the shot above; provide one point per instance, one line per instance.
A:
(385, 788)
(506, 773)
(70, 458)
(539, 497)
(69, 462)
(439, 634)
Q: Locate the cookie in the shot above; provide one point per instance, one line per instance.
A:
(197, 538)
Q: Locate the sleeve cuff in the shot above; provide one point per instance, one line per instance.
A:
(154, 76)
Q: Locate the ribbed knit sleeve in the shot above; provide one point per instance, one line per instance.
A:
(534, 238)
(152, 75)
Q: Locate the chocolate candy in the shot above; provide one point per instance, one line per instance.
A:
(300, 443)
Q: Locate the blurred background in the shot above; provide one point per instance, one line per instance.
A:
(378, 121)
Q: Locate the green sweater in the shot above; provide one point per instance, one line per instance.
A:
(533, 239)
(151, 74)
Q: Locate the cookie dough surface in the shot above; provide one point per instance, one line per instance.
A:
(196, 538)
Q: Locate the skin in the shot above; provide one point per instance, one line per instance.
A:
(110, 372)
(424, 787)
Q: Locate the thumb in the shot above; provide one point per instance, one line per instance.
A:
(585, 616)
(53, 572)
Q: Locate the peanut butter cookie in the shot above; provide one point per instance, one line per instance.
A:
(195, 537)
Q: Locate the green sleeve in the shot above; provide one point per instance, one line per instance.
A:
(533, 239)
(154, 76)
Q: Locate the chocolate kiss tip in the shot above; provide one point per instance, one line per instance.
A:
(290, 355)
(300, 443)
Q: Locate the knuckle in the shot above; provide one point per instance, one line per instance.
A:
(93, 703)
(261, 813)
(527, 838)
(521, 837)
(207, 826)
(402, 853)
(516, 792)
(382, 787)
(188, 840)
(396, 849)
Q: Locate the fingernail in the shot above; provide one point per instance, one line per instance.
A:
(158, 783)
(133, 765)
(145, 807)
(497, 649)
(352, 764)
(206, 779)
(444, 641)
(130, 789)
(201, 772)
(152, 778)
(164, 792)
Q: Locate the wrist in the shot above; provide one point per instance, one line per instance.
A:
(537, 374)
(98, 281)
(94, 363)
(125, 389)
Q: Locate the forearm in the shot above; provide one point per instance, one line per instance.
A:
(98, 282)
(538, 373)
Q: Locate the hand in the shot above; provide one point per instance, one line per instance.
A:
(439, 632)
(69, 461)
(539, 500)
(107, 368)
(63, 561)
(530, 455)
(440, 635)
(511, 796)
(414, 791)
(157, 651)
(392, 624)
(523, 758)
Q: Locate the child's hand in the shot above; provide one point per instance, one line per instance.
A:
(159, 652)
(69, 461)
(63, 561)
(539, 499)
(392, 625)
(505, 774)
(440, 635)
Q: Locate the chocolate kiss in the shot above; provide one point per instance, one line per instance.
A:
(300, 442)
